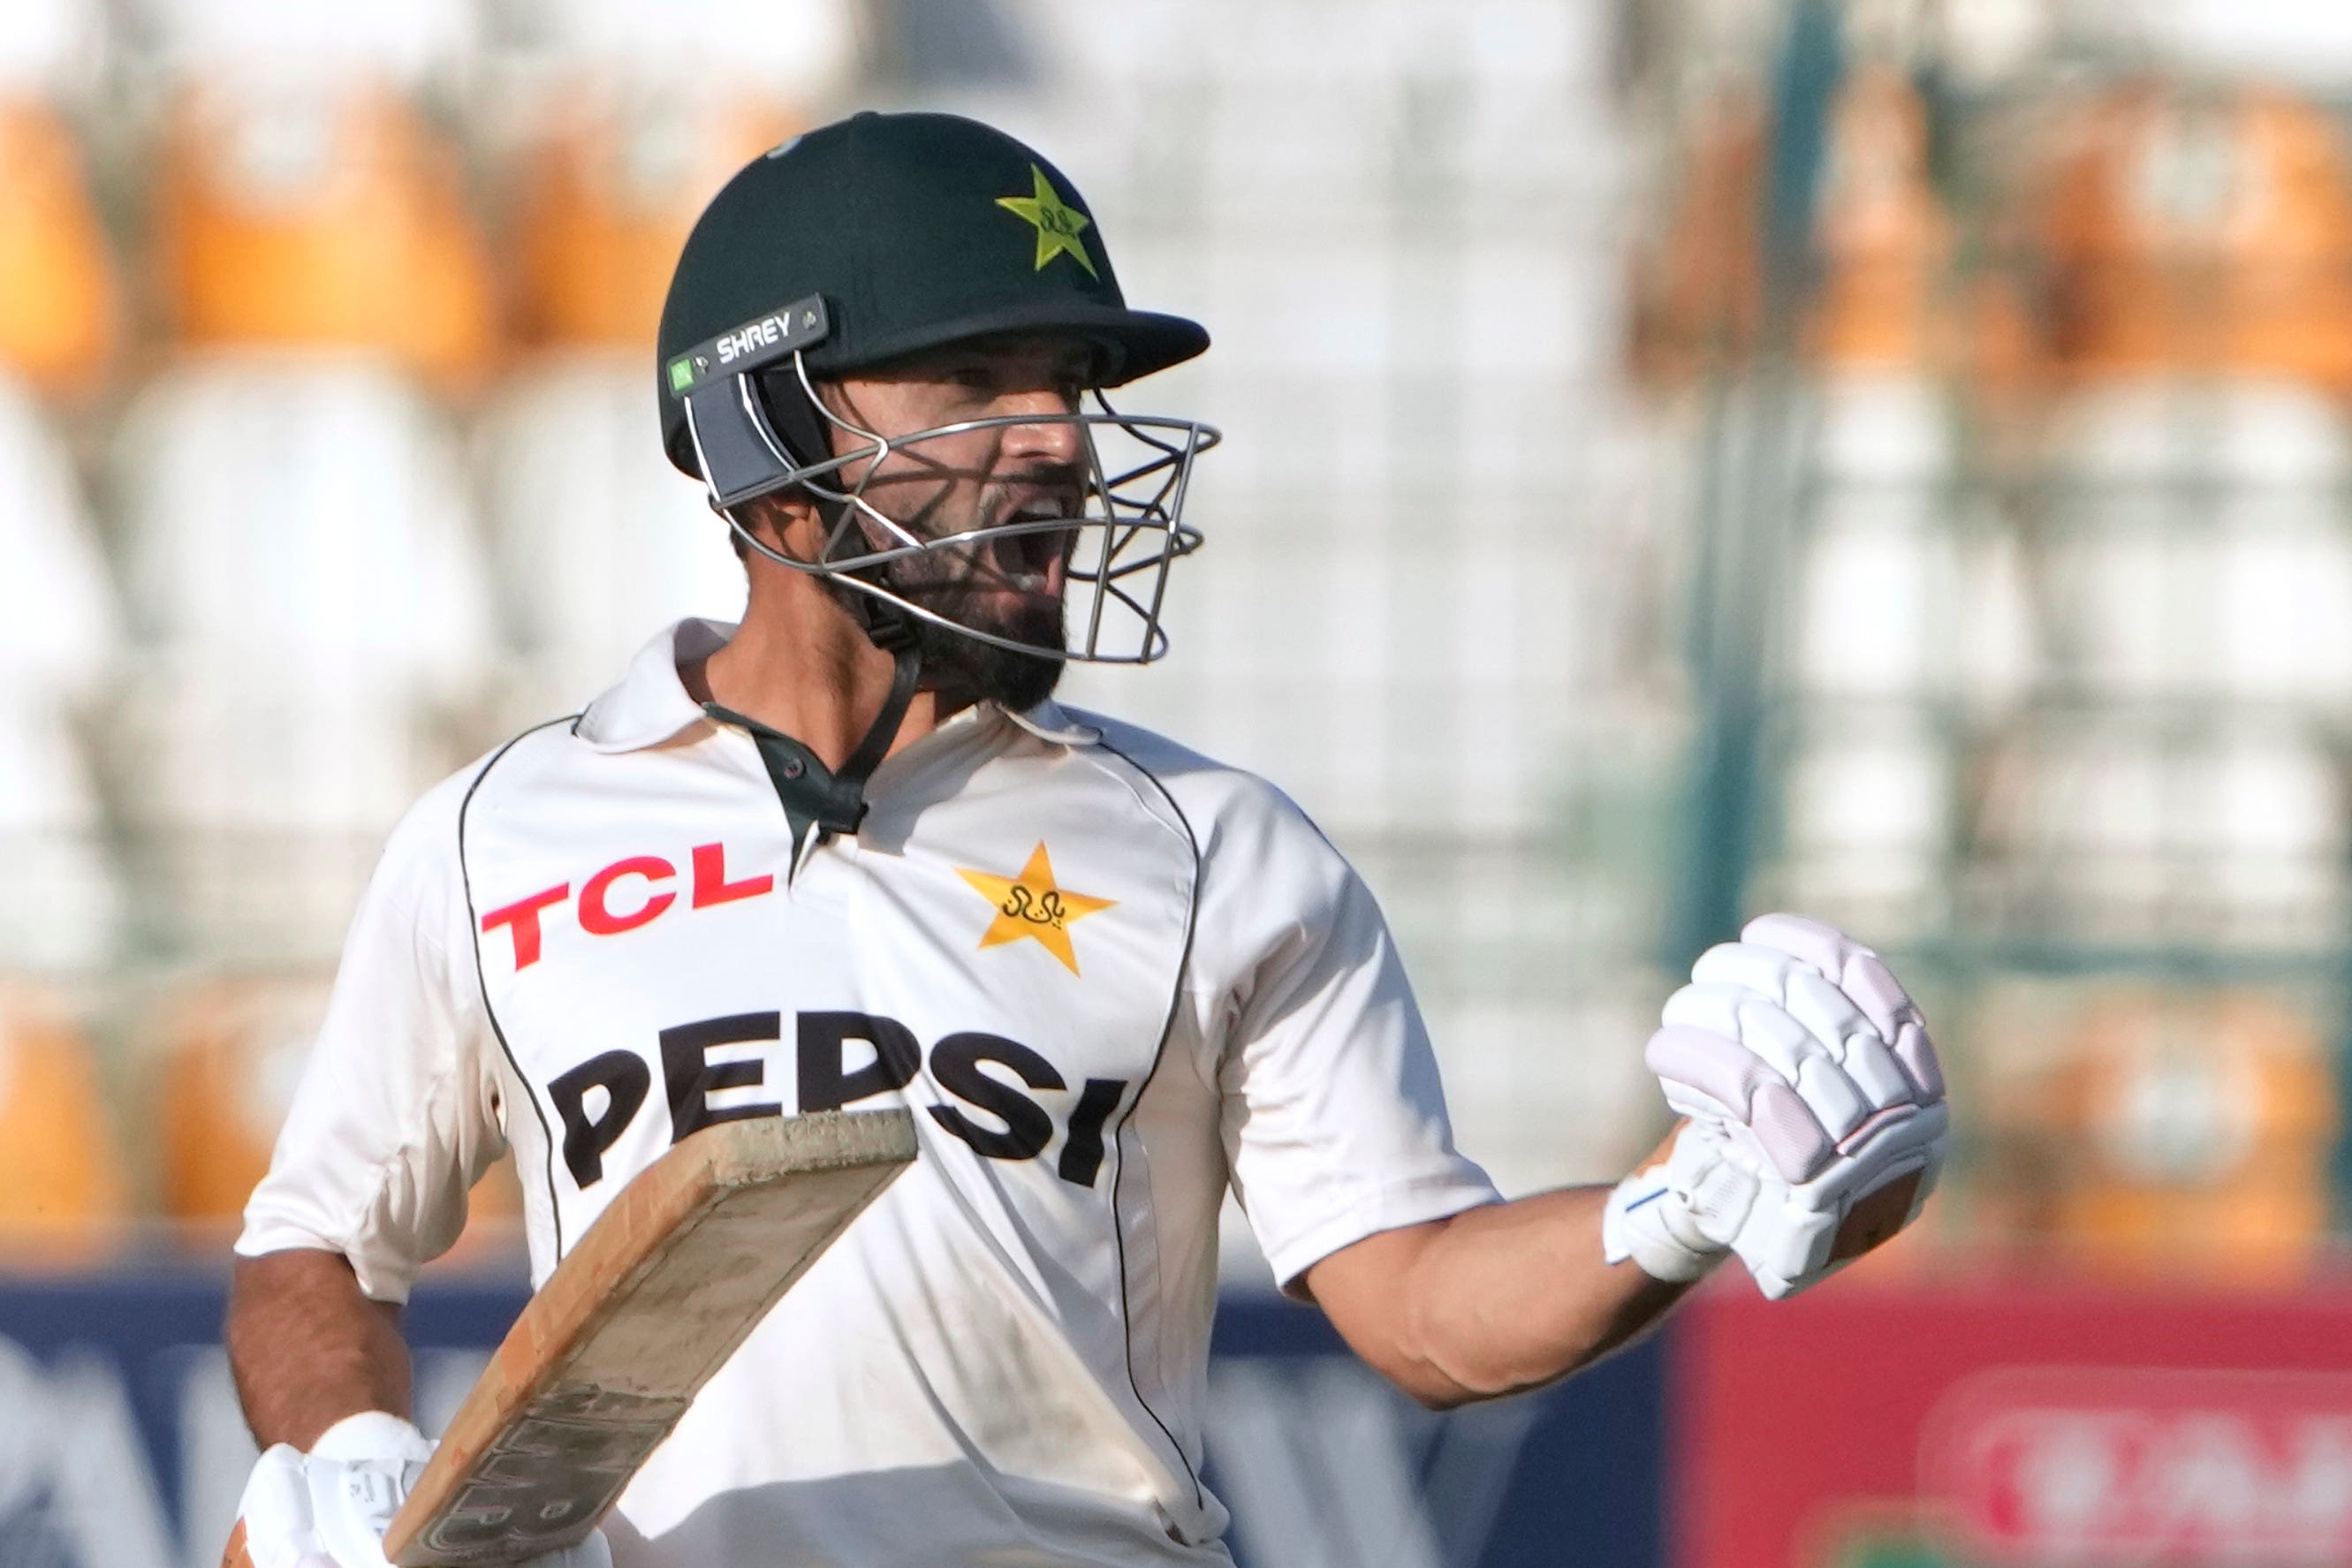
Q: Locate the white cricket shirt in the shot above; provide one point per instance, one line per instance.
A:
(1107, 976)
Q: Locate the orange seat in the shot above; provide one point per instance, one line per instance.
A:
(2200, 236)
(2183, 1131)
(233, 1054)
(1882, 293)
(62, 1194)
(1698, 285)
(59, 296)
(331, 217)
(1884, 240)
(604, 200)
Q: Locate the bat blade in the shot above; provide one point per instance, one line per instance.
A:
(606, 1356)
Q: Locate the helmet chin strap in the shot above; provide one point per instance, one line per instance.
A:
(819, 802)
(892, 630)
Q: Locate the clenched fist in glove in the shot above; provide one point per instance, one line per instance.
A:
(330, 1508)
(1816, 1118)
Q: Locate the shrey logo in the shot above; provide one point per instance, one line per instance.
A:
(2185, 1469)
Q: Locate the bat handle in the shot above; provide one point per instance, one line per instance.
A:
(234, 1555)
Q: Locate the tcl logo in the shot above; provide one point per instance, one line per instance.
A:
(2189, 1468)
(634, 890)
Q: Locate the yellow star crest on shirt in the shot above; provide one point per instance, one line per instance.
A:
(1058, 223)
(1032, 905)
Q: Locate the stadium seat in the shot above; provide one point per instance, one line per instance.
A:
(1884, 240)
(793, 52)
(2198, 234)
(2287, 41)
(232, 1051)
(1883, 243)
(321, 211)
(595, 560)
(59, 304)
(63, 1196)
(316, 631)
(2195, 541)
(416, 45)
(1877, 606)
(59, 623)
(605, 195)
(2122, 826)
(63, 912)
(1869, 819)
(232, 1055)
(52, 50)
(2169, 1129)
(59, 634)
(1697, 280)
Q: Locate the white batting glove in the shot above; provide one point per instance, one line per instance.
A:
(1817, 1123)
(330, 1508)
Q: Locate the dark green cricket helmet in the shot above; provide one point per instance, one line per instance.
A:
(871, 239)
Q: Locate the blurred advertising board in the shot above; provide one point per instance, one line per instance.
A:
(2013, 1424)
(122, 1445)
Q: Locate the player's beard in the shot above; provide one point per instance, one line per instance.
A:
(965, 670)
(954, 584)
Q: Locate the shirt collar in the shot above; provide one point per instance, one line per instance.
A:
(650, 703)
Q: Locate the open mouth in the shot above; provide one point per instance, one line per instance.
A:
(1033, 560)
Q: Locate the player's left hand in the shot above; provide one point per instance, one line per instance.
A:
(1817, 1123)
(330, 1508)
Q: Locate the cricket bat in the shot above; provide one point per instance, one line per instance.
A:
(605, 1358)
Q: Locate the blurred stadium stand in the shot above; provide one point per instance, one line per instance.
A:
(313, 614)
(59, 632)
(2031, 380)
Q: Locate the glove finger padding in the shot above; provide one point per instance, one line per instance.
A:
(1711, 1078)
(1785, 1046)
(1862, 976)
(1792, 1017)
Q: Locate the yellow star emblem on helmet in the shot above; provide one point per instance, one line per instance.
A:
(1034, 906)
(1058, 223)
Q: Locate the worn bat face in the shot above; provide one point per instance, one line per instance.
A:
(605, 1359)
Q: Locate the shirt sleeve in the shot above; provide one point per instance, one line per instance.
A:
(1334, 1120)
(396, 1115)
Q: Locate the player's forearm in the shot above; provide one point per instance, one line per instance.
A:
(309, 1348)
(1516, 1295)
(1492, 1301)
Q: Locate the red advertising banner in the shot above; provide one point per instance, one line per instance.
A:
(2011, 1425)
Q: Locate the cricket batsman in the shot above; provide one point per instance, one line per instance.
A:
(851, 853)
